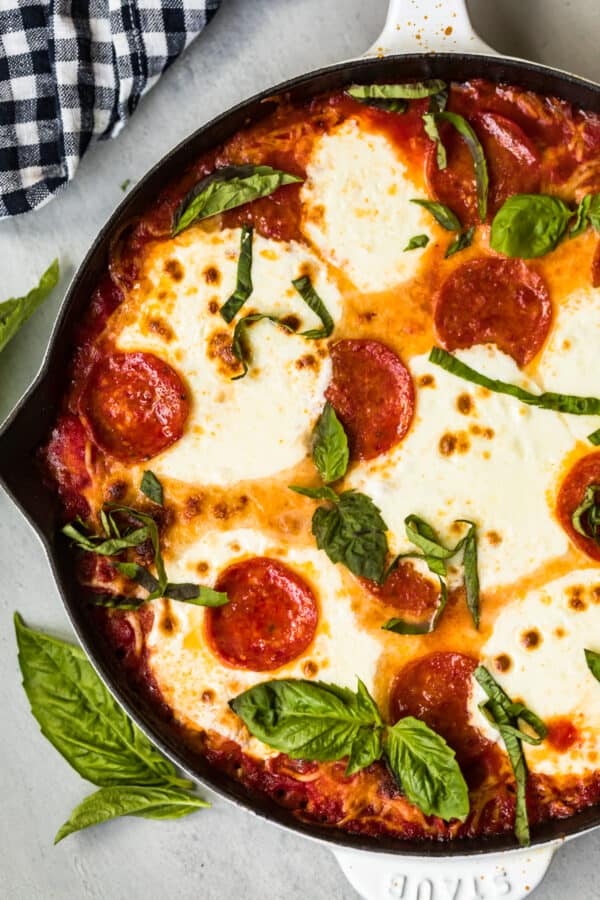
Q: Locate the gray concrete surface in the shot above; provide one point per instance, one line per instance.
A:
(221, 853)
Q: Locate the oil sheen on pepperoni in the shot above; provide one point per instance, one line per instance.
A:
(492, 300)
(586, 471)
(436, 689)
(373, 394)
(513, 166)
(408, 592)
(270, 619)
(135, 405)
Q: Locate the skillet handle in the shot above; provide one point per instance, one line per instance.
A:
(420, 26)
(501, 876)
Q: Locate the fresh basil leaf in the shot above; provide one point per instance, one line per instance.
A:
(416, 90)
(442, 214)
(108, 547)
(138, 574)
(316, 493)
(197, 594)
(353, 533)
(464, 240)
(239, 346)
(422, 535)
(594, 437)
(471, 573)
(311, 298)
(130, 800)
(330, 446)
(16, 311)
(243, 286)
(432, 132)
(405, 626)
(115, 601)
(586, 518)
(581, 217)
(226, 188)
(593, 663)
(419, 240)
(311, 720)
(594, 212)
(152, 487)
(426, 770)
(564, 403)
(78, 715)
(152, 529)
(476, 150)
(529, 225)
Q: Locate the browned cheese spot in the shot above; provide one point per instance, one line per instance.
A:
(503, 662)
(306, 362)
(310, 668)
(174, 268)
(212, 275)
(531, 639)
(464, 404)
(220, 350)
(494, 538)
(426, 381)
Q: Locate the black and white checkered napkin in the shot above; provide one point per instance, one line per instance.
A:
(72, 70)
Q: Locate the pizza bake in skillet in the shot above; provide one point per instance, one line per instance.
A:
(327, 458)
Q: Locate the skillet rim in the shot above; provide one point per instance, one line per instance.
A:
(508, 69)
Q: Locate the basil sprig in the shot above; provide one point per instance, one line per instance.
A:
(593, 663)
(464, 240)
(15, 312)
(322, 722)
(306, 290)
(476, 150)
(442, 214)
(419, 240)
(226, 188)
(78, 715)
(586, 518)
(563, 403)
(435, 553)
(152, 487)
(243, 286)
(505, 715)
(330, 446)
(529, 225)
(116, 539)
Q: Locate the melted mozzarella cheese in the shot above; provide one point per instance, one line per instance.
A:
(260, 424)
(198, 685)
(569, 363)
(551, 678)
(357, 209)
(494, 463)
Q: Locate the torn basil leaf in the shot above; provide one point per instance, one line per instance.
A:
(306, 290)
(152, 487)
(464, 240)
(15, 312)
(105, 546)
(594, 438)
(408, 626)
(426, 770)
(586, 518)
(529, 225)
(226, 188)
(564, 403)
(442, 214)
(243, 287)
(593, 663)
(330, 446)
(419, 240)
(352, 532)
(239, 346)
(198, 595)
(476, 150)
(416, 90)
(432, 132)
(471, 572)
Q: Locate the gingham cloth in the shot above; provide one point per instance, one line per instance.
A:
(72, 70)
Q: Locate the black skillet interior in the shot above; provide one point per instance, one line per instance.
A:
(30, 423)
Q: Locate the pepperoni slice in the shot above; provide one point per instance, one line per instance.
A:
(407, 591)
(373, 394)
(270, 619)
(436, 688)
(514, 166)
(494, 300)
(134, 405)
(586, 471)
(65, 458)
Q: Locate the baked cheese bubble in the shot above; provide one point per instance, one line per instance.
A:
(194, 681)
(536, 653)
(569, 362)
(357, 210)
(473, 454)
(174, 312)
